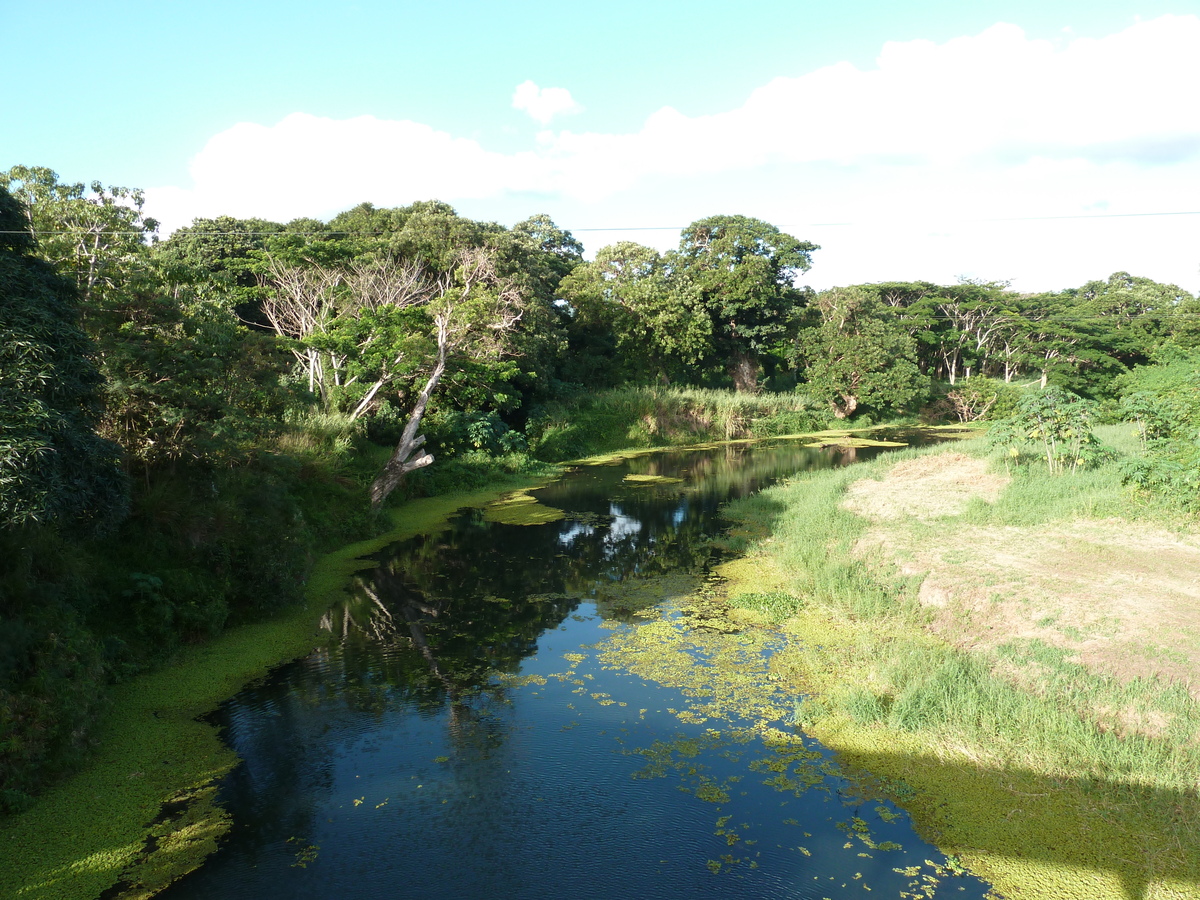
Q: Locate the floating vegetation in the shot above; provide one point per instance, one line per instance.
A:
(852, 442)
(723, 671)
(521, 508)
(511, 679)
(623, 600)
(305, 852)
(651, 479)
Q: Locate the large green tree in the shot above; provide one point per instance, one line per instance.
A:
(658, 325)
(533, 256)
(95, 238)
(858, 357)
(744, 271)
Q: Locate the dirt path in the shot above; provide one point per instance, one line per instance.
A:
(1123, 597)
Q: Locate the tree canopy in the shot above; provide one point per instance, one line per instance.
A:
(744, 271)
(54, 468)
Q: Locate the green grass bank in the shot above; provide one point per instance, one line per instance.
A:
(1044, 772)
(140, 814)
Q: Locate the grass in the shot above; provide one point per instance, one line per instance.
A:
(1049, 779)
(630, 418)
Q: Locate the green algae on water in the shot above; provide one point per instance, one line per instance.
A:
(651, 479)
(853, 443)
(521, 508)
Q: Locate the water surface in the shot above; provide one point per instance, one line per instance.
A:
(475, 728)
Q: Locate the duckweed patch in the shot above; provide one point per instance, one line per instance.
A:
(651, 479)
(141, 814)
(852, 443)
(521, 508)
(624, 600)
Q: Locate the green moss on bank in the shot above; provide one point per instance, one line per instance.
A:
(141, 813)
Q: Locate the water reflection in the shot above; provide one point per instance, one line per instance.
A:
(457, 738)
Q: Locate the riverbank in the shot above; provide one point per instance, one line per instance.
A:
(140, 814)
(1010, 654)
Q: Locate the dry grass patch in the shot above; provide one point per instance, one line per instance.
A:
(1122, 597)
(926, 487)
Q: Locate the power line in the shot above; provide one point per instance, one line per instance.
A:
(636, 227)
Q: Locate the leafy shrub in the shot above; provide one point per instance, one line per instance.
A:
(51, 693)
(975, 399)
(1058, 423)
(1163, 404)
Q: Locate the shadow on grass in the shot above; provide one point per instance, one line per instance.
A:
(1070, 837)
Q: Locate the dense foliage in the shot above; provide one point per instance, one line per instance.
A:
(185, 422)
(1162, 401)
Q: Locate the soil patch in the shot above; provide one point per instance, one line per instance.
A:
(1122, 597)
(926, 487)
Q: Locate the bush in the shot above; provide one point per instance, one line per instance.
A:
(453, 432)
(1163, 404)
(52, 690)
(659, 417)
(1058, 423)
(976, 399)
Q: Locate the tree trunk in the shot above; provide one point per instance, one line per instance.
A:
(366, 401)
(846, 408)
(402, 461)
(743, 369)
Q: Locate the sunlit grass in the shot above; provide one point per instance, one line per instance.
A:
(665, 416)
(1023, 713)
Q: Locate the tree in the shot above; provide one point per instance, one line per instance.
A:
(858, 356)
(532, 257)
(185, 381)
(659, 323)
(556, 247)
(95, 239)
(744, 272)
(380, 323)
(973, 316)
(469, 319)
(1050, 337)
(53, 466)
(216, 259)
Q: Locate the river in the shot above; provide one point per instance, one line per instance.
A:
(541, 711)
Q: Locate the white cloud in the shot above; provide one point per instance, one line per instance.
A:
(311, 166)
(986, 126)
(543, 104)
(995, 98)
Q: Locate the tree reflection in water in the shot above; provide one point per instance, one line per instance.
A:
(429, 750)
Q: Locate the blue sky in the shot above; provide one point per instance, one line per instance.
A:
(930, 140)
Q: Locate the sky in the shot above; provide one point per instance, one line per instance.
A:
(1044, 143)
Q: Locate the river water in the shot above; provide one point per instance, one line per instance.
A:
(486, 722)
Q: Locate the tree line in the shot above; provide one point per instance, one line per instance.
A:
(185, 421)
